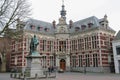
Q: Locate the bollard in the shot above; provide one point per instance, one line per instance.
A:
(19, 76)
(24, 78)
(11, 75)
(46, 74)
(15, 75)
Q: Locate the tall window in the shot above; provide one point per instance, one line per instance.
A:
(118, 50)
(95, 60)
(62, 45)
(80, 61)
(51, 61)
(94, 42)
(87, 60)
(44, 62)
(86, 43)
(73, 61)
(44, 45)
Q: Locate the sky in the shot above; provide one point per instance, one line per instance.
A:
(49, 10)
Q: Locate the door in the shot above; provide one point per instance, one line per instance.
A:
(62, 64)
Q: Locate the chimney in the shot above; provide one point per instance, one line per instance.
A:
(70, 24)
(54, 24)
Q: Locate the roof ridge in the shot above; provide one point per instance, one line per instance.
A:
(86, 18)
(39, 20)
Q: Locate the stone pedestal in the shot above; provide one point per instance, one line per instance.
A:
(34, 68)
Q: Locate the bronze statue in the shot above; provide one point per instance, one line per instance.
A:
(34, 43)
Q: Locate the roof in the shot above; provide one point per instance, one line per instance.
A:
(85, 22)
(117, 37)
(47, 28)
(39, 26)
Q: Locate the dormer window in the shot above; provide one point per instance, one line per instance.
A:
(77, 28)
(40, 28)
(90, 25)
(83, 27)
(46, 29)
(32, 26)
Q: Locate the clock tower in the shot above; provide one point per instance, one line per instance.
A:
(62, 37)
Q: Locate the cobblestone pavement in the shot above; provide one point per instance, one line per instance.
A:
(72, 76)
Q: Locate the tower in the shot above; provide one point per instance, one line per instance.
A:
(63, 11)
(62, 36)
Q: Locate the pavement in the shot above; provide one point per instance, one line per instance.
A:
(72, 76)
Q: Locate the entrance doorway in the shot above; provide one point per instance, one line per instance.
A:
(62, 64)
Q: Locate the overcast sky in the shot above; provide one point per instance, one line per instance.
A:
(49, 10)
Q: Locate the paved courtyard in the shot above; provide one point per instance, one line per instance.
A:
(73, 76)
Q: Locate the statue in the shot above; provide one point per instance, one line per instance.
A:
(33, 45)
(34, 68)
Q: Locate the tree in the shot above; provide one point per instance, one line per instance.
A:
(4, 50)
(11, 11)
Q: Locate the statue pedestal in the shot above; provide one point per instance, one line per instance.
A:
(34, 68)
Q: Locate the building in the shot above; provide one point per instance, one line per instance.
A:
(84, 44)
(116, 52)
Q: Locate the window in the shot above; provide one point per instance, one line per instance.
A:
(118, 50)
(73, 61)
(51, 61)
(83, 27)
(62, 45)
(94, 42)
(46, 29)
(44, 45)
(77, 28)
(80, 61)
(87, 60)
(44, 62)
(32, 26)
(95, 60)
(90, 25)
(40, 28)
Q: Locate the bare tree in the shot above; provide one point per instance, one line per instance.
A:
(4, 53)
(11, 11)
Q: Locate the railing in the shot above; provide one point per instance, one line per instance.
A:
(24, 75)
